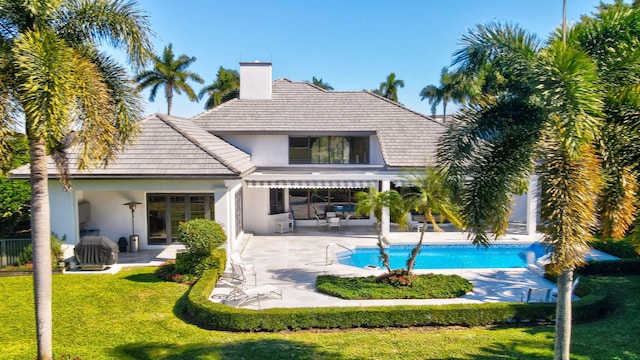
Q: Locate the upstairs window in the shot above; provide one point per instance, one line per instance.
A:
(328, 150)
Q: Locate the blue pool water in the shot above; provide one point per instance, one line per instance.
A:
(446, 256)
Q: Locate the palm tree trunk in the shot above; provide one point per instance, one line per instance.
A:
(383, 253)
(168, 88)
(416, 250)
(563, 316)
(41, 238)
(444, 111)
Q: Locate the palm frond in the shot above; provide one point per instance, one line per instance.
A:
(571, 188)
(117, 23)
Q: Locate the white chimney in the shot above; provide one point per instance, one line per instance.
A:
(255, 81)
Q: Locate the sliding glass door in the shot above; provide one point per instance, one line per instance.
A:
(165, 212)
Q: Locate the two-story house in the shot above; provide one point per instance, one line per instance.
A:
(281, 149)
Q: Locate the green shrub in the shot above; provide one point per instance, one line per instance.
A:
(428, 286)
(623, 248)
(167, 270)
(210, 315)
(57, 254)
(201, 236)
(611, 267)
(196, 264)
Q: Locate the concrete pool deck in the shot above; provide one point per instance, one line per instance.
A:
(292, 261)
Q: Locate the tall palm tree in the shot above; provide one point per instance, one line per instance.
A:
(172, 74)
(451, 88)
(548, 111)
(430, 194)
(321, 84)
(374, 201)
(564, 107)
(389, 88)
(225, 88)
(56, 83)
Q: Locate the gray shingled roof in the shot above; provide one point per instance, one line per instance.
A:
(168, 147)
(407, 138)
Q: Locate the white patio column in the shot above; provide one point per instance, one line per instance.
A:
(222, 197)
(385, 228)
(532, 206)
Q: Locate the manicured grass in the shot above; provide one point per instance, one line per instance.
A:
(132, 315)
(427, 286)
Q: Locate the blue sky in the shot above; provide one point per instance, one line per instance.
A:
(351, 44)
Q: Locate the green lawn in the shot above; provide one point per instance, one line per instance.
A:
(132, 315)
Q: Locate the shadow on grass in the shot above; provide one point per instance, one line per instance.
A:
(250, 349)
(144, 278)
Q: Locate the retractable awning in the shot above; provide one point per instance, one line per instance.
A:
(311, 184)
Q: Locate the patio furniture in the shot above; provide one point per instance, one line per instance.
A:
(283, 226)
(235, 258)
(333, 222)
(544, 294)
(413, 224)
(330, 214)
(241, 270)
(554, 292)
(346, 219)
(96, 252)
(536, 295)
(317, 214)
(240, 296)
(320, 222)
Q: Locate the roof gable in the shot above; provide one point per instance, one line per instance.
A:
(167, 147)
(407, 138)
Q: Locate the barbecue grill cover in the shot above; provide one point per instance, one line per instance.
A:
(96, 250)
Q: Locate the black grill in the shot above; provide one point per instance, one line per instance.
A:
(96, 252)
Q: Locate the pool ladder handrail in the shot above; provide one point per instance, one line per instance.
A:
(326, 251)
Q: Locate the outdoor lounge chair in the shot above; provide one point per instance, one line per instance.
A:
(413, 224)
(320, 222)
(235, 258)
(317, 213)
(554, 292)
(333, 222)
(239, 296)
(536, 295)
(241, 271)
(544, 294)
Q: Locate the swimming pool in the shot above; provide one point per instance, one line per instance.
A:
(450, 256)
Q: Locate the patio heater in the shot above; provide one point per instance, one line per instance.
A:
(133, 238)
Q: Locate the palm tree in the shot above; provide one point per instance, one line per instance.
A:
(321, 84)
(546, 111)
(451, 88)
(66, 93)
(225, 88)
(430, 194)
(172, 74)
(389, 88)
(374, 201)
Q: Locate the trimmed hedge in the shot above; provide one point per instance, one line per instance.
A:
(611, 267)
(217, 316)
(623, 248)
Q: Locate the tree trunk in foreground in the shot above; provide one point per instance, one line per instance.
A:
(41, 239)
(562, 347)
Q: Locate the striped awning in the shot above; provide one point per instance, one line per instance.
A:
(311, 184)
